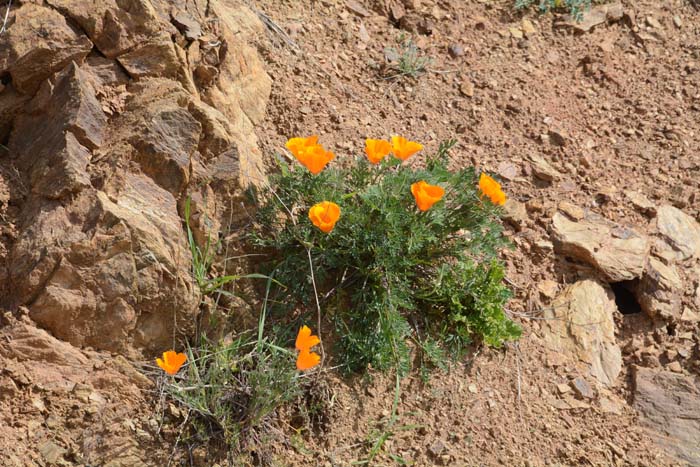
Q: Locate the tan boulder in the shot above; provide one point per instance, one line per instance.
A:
(618, 252)
(100, 257)
(660, 290)
(104, 268)
(580, 323)
(669, 405)
(39, 43)
(680, 230)
(165, 143)
(242, 88)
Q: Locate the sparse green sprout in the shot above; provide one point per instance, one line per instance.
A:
(203, 258)
(575, 7)
(407, 60)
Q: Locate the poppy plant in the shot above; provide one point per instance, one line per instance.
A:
(376, 149)
(305, 340)
(324, 215)
(309, 153)
(426, 195)
(171, 361)
(492, 189)
(403, 148)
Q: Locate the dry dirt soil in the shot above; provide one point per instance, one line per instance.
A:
(612, 112)
(593, 130)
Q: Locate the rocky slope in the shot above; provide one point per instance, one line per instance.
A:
(113, 113)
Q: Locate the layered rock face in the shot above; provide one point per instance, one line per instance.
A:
(113, 114)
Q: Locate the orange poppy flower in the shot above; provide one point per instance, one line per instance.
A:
(297, 145)
(171, 362)
(426, 195)
(305, 340)
(324, 215)
(403, 148)
(307, 360)
(376, 149)
(492, 189)
(310, 154)
(315, 158)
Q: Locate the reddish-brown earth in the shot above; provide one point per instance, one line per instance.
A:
(112, 115)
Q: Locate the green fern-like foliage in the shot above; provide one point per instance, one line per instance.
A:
(392, 278)
(575, 7)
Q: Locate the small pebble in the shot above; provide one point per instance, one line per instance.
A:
(455, 50)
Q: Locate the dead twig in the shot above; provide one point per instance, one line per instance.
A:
(519, 380)
(275, 28)
(7, 16)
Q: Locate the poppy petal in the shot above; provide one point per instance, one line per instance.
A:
(305, 340)
(307, 360)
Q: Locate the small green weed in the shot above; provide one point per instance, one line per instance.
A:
(203, 259)
(575, 7)
(408, 60)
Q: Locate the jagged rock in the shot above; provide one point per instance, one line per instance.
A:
(100, 257)
(39, 43)
(159, 57)
(641, 202)
(515, 213)
(217, 132)
(242, 88)
(669, 405)
(105, 71)
(108, 287)
(542, 170)
(243, 82)
(115, 26)
(94, 269)
(580, 323)
(593, 17)
(660, 290)
(618, 252)
(166, 144)
(11, 103)
(680, 230)
(63, 174)
(51, 142)
(187, 24)
(74, 381)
